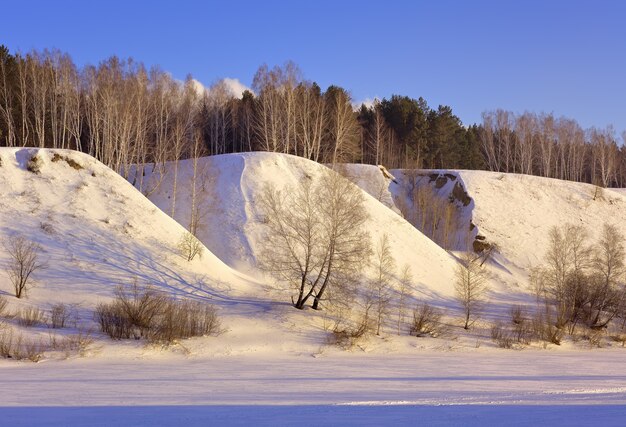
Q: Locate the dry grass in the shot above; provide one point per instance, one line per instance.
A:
(3, 305)
(426, 321)
(145, 313)
(31, 316)
(59, 315)
(14, 346)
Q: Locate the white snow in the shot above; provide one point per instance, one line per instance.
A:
(272, 365)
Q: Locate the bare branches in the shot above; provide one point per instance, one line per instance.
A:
(189, 246)
(470, 286)
(24, 262)
(315, 241)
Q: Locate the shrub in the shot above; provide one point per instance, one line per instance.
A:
(189, 246)
(545, 330)
(3, 304)
(522, 329)
(426, 321)
(619, 338)
(47, 228)
(15, 347)
(113, 321)
(501, 336)
(32, 350)
(145, 313)
(79, 343)
(34, 164)
(6, 343)
(59, 314)
(30, 316)
(517, 314)
(347, 336)
(184, 319)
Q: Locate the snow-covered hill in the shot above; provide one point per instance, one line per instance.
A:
(96, 232)
(516, 212)
(229, 188)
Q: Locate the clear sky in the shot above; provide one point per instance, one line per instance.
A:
(565, 57)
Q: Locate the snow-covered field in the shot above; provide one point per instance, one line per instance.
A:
(273, 364)
(470, 387)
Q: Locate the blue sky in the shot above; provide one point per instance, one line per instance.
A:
(565, 57)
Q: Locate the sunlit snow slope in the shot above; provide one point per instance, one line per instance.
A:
(230, 227)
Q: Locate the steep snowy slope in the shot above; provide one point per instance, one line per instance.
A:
(230, 186)
(516, 212)
(97, 231)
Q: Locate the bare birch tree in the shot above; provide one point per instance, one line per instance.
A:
(470, 286)
(384, 267)
(315, 240)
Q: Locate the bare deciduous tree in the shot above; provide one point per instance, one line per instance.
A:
(189, 246)
(24, 262)
(385, 266)
(470, 286)
(404, 292)
(315, 240)
(610, 270)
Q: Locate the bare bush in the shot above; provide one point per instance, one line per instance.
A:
(47, 228)
(113, 321)
(184, 319)
(517, 315)
(619, 338)
(426, 321)
(144, 313)
(594, 338)
(31, 316)
(501, 336)
(69, 344)
(348, 335)
(545, 329)
(24, 262)
(59, 315)
(33, 350)
(190, 247)
(522, 330)
(6, 343)
(3, 304)
(16, 347)
(131, 313)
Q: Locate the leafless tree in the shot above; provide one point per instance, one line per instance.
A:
(315, 240)
(404, 293)
(189, 246)
(611, 270)
(488, 144)
(470, 286)
(24, 262)
(384, 266)
(6, 101)
(342, 127)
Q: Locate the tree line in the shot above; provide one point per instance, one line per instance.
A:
(123, 113)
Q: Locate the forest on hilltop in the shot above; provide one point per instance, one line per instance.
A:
(123, 113)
